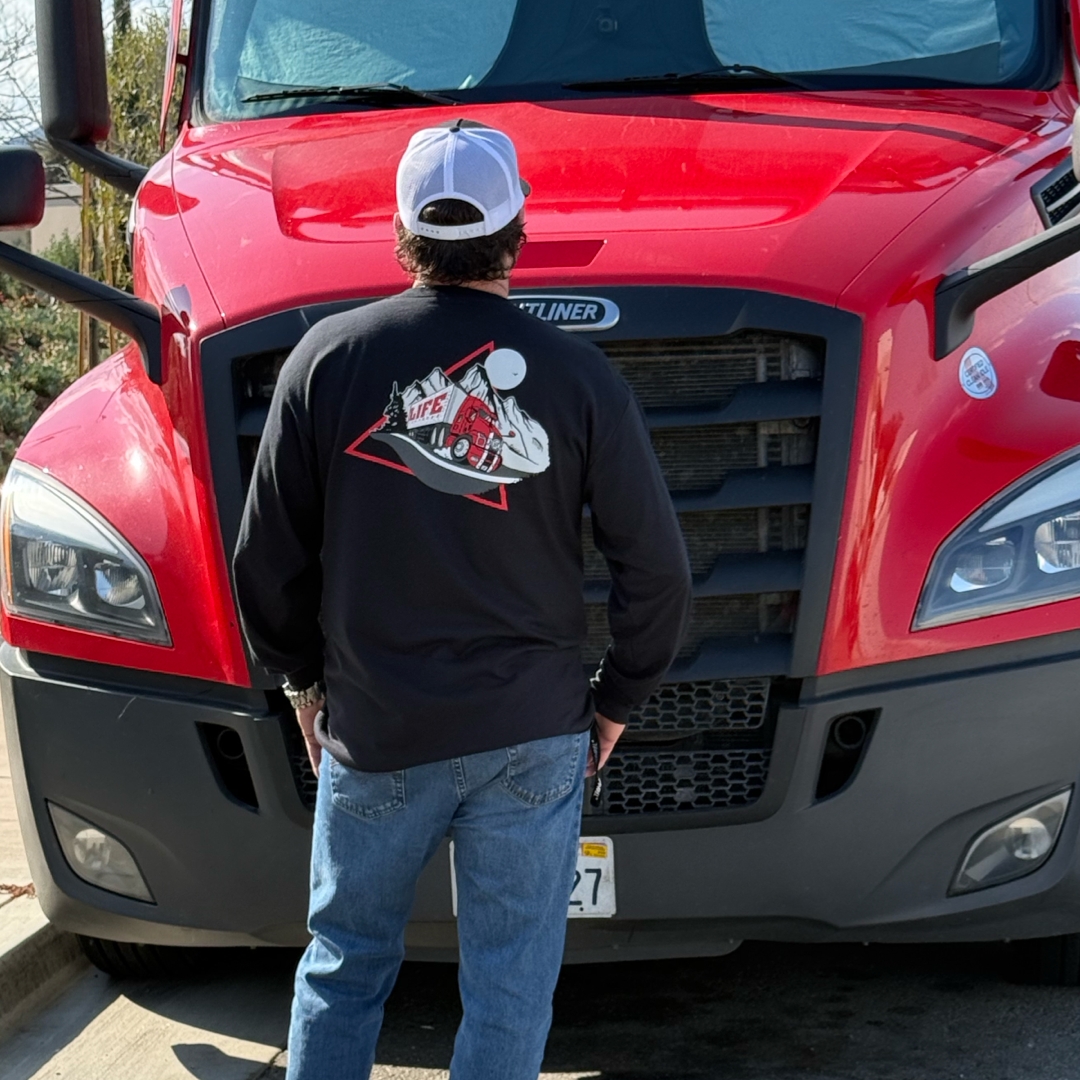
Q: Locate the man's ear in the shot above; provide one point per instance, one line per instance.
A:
(397, 223)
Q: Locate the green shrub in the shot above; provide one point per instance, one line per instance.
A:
(39, 344)
(64, 250)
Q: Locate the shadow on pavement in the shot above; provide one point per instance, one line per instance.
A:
(775, 1012)
(206, 1062)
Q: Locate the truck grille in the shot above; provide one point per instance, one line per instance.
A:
(713, 705)
(718, 413)
(655, 782)
(735, 423)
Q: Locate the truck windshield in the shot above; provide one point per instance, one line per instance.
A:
(498, 49)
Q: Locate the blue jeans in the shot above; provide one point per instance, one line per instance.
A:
(514, 816)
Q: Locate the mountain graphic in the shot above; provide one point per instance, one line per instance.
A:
(525, 450)
(425, 387)
(460, 435)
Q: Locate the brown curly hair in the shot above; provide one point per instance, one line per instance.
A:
(451, 262)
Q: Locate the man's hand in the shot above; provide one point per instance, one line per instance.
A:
(306, 719)
(609, 733)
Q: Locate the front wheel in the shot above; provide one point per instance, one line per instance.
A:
(127, 960)
(1052, 961)
(460, 450)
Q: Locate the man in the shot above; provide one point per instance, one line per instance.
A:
(413, 531)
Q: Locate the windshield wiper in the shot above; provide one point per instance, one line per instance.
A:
(375, 93)
(727, 75)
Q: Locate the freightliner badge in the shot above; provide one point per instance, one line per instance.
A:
(570, 312)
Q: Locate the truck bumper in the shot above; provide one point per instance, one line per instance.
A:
(951, 754)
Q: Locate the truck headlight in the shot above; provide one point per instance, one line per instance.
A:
(1020, 550)
(63, 563)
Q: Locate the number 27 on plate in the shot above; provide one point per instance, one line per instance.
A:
(593, 894)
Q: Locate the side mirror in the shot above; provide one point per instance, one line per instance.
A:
(22, 204)
(74, 91)
(71, 67)
(959, 295)
(22, 188)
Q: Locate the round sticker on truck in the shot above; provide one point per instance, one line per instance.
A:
(977, 374)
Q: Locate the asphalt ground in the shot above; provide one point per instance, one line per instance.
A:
(767, 1011)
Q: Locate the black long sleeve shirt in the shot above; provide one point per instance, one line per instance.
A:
(413, 530)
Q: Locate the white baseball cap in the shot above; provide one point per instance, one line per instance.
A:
(461, 160)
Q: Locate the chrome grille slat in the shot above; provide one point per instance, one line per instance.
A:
(734, 616)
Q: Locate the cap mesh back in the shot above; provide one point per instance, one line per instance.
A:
(478, 166)
(422, 176)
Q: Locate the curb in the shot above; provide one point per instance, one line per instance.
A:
(37, 961)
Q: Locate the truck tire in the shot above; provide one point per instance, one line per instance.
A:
(126, 960)
(1052, 961)
(460, 450)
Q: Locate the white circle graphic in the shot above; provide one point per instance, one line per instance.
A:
(977, 374)
(505, 368)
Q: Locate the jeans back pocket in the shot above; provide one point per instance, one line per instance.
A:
(545, 770)
(366, 794)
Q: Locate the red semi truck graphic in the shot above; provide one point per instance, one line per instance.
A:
(460, 422)
(463, 435)
(473, 436)
(832, 248)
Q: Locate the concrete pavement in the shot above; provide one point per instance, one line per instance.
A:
(767, 1012)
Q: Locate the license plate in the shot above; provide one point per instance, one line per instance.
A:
(594, 880)
(593, 896)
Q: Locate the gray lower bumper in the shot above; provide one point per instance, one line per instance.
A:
(950, 754)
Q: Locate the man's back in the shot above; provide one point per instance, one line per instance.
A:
(439, 447)
(413, 532)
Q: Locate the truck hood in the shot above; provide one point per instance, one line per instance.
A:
(793, 193)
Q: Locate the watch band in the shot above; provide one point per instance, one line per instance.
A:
(309, 695)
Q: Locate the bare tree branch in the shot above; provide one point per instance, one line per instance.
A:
(18, 77)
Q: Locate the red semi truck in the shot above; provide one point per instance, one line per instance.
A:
(830, 245)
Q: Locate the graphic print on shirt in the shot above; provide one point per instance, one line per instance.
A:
(463, 435)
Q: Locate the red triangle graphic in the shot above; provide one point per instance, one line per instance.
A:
(496, 504)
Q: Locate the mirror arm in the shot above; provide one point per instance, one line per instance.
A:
(120, 173)
(132, 316)
(960, 295)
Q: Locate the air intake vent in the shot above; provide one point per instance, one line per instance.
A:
(1057, 195)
